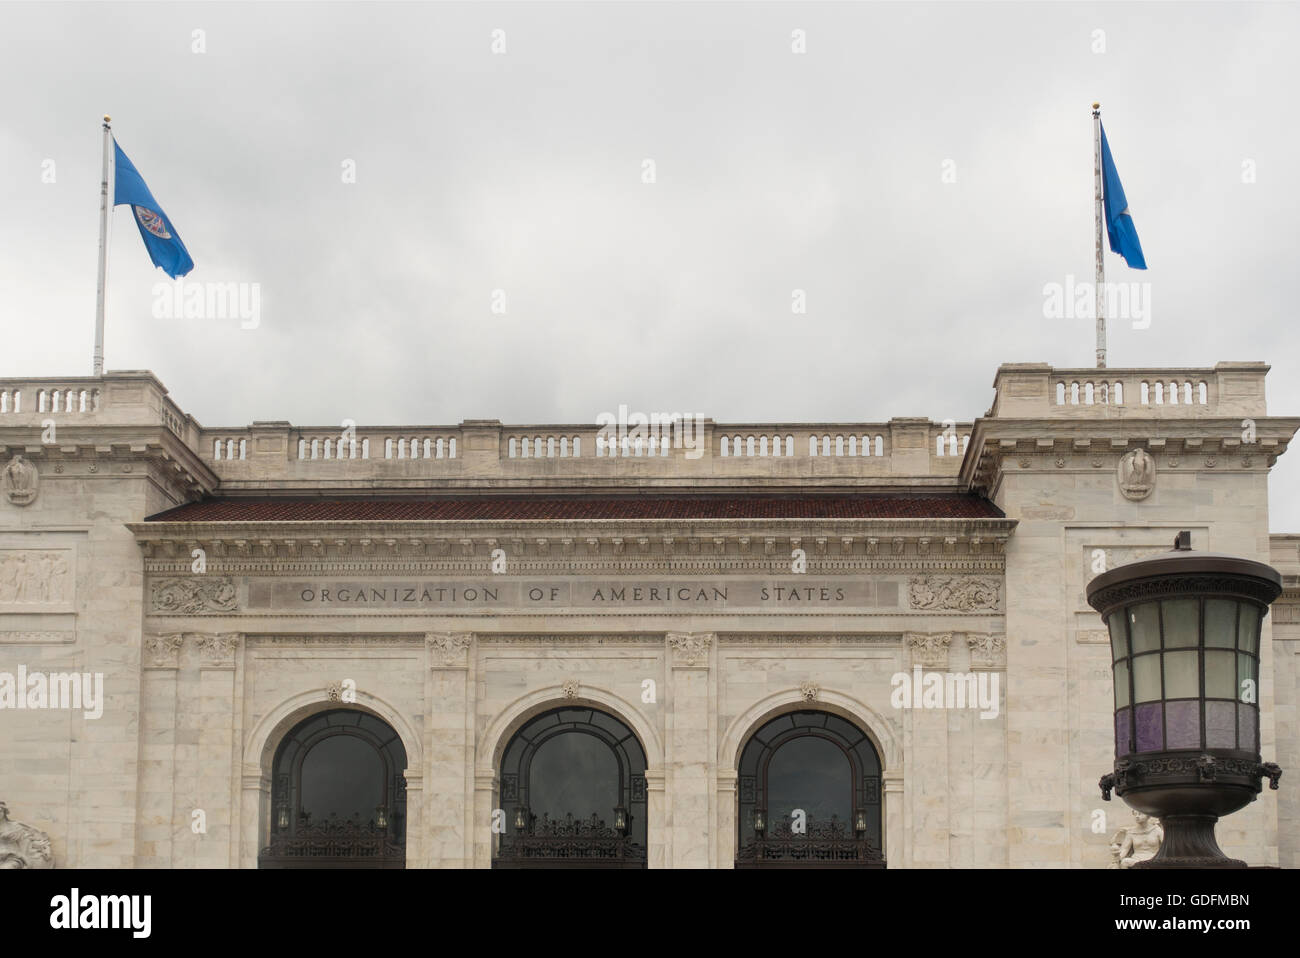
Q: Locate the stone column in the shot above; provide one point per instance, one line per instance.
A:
(895, 812)
(216, 754)
(725, 844)
(658, 839)
(928, 758)
(988, 652)
(688, 759)
(449, 729)
(486, 789)
(160, 661)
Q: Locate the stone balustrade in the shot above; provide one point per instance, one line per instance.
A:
(1037, 390)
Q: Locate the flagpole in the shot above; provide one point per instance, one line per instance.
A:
(1100, 289)
(104, 208)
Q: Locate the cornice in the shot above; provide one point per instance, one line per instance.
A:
(566, 547)
(1187, 445)
(88, 452)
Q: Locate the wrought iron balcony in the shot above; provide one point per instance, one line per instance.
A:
(573, 842)
(336, 843)
(821, 845)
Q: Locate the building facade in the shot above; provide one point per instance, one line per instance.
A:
(705, 645)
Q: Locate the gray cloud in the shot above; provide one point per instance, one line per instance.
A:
(522, 172)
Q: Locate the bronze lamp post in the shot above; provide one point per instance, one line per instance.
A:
(1184, 634)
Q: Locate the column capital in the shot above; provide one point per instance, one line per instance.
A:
(162, 651)
(218, 650)
(449, 650)
(689, 650)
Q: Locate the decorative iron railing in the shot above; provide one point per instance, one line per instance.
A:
(821, 845)
(337, 843)
(576, 841)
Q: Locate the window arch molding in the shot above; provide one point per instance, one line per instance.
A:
(874, 725)
(574, 790)
(810, 791)
(524, 709)
(350, 809)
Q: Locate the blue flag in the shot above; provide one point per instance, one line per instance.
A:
(160, 237)
(1119, 224)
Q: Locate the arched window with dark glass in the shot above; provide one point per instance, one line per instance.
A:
(574, 793)
(809, 795)
(338, 795)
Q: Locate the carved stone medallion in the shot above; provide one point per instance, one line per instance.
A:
(20, 481)
(1137, 474)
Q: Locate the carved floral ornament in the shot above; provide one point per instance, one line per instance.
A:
(192, 596)
(690, 648)
(809, 691)
(954, 593)
(570, 688)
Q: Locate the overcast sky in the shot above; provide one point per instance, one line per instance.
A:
(523, 171)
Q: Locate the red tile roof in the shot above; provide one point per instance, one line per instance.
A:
(491, 507)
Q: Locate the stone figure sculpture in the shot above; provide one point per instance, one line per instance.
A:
(1136, 843)
(22, 846)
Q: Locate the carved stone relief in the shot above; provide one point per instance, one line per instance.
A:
(954, 593)
(20, 481)
(194, 596)
(35, 577)
(1137, 474)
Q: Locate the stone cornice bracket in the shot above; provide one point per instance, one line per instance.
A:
(162, 651)
(690, 650)
(929, 649)
(449, 650)
(987, 651)
(218, 651)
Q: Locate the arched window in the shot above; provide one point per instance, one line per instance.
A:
(574, 793)
(809, 794)
(338, 795)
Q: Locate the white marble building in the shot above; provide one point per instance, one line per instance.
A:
(459, 611)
